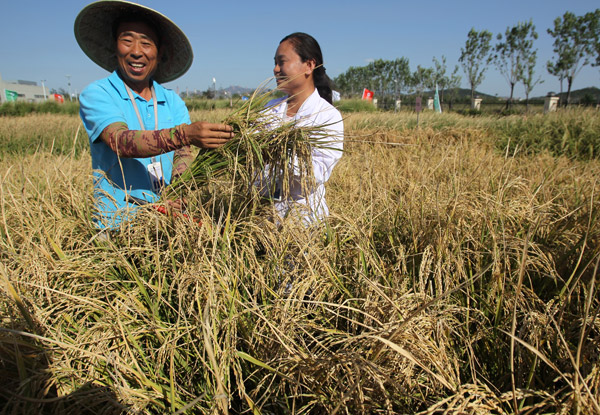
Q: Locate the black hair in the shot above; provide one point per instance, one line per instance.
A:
(308, 48)
(129, 17)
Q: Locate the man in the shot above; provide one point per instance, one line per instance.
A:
(140, 132)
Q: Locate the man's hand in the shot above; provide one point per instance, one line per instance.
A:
(177, 205)
(207, 135)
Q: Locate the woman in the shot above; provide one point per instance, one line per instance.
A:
(300, 73)
(140, 132)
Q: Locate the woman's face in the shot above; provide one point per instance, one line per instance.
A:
(291, 73)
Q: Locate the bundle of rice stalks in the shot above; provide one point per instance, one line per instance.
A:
(266, 153)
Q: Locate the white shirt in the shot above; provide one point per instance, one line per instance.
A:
(315, 111)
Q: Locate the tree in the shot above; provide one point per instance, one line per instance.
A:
(528, 77)
(209, 93)
(439, 76)
(443, 81)
(474, 58)
(400, 75)
(386, 78)
(352, 81)
(422, 78)
(574, 40)
(512, 53)
(593, 20)
(453, 86)
(559, 70)
(342, 85)
(378, 76)
(595, 30)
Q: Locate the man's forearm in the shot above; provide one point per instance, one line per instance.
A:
(144, 143)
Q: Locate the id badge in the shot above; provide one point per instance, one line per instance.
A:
(155, 174)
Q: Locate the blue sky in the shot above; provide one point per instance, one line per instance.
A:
(234, 42)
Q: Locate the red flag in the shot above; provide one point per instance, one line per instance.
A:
(368, 95)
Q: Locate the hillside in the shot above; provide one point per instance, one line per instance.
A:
(584, 95)
(587, 95)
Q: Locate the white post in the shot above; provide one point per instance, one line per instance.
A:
(550, 103)
(430, 104)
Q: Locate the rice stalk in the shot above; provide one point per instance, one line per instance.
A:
(264, 151)
(402, 303)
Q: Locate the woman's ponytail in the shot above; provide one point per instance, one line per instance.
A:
(323, 84)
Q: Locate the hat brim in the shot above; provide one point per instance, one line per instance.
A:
(94, 34)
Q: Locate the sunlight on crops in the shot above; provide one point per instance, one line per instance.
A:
(458, 273)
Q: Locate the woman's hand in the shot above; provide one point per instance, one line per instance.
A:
(208, 135)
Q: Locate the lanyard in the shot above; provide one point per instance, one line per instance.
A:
(137, 111)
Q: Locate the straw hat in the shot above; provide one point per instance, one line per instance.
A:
(94, 33)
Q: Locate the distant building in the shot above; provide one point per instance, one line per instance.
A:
(27, 91)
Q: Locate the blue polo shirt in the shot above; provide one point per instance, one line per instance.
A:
(115, 178)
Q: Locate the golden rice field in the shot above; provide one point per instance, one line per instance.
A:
(457, 274)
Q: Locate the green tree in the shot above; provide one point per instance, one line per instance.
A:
(574, 40)
(512, 51)
(453, 86)
(593, 20)
(352, 81)
(341, 83)
(386, 78)
(422, 78)
(528, 75)
(443, 81)
(400, 75)
(595, 30)
(475, 57)
(559, 70)
(439, 77)
(378, 76)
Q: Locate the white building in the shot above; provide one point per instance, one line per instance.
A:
(27, 91)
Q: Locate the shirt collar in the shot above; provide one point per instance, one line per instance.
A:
(119, 85)
(308, 105)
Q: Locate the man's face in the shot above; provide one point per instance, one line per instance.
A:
(137, 53)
